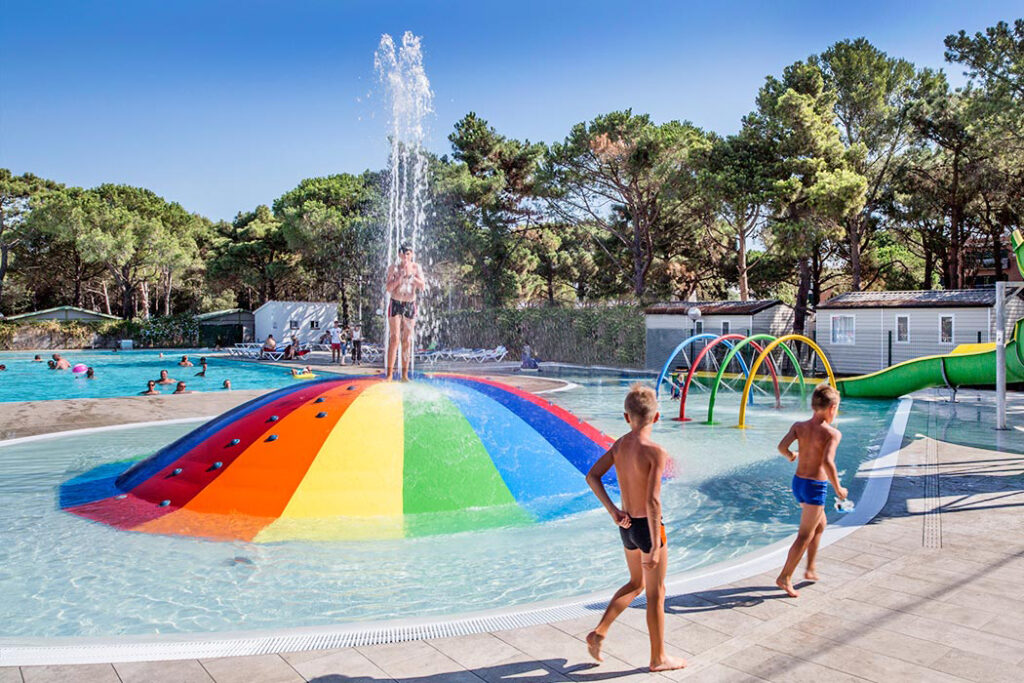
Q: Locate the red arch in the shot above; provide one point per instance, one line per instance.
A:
(700, 356)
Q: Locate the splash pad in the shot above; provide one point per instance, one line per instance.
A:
(353, 458)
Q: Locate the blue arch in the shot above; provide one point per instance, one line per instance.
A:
(682, 345)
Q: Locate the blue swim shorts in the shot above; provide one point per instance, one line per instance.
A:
(809, 491)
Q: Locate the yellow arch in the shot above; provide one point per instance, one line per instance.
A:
(764, 354)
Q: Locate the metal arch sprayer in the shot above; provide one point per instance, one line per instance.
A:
(767, 350)
(683, 344)
(727, 339)
(728, 357)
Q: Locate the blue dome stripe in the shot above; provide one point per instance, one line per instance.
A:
(528, 463)
(574, 446)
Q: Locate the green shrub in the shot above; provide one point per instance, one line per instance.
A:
(595, 335)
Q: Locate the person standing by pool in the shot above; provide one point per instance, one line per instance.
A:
(817, 441)
(639, 464)
(357, 344)
(404, 280)
(336, 334)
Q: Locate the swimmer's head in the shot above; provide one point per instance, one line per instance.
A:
(203, 360)
(825, 401)
(180, 386)
(641, 405)
(38, 357)
(163, 374)
(89, 373)
(151, 384)
(227, 384)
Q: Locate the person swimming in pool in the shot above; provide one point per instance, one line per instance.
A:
(815, 458)
(227, 385)
(60, 363)
(302, 371)
(202, 363)
(185, 362)
(180, 389)
(151, 389)
(404, 279)
(37, 359)
(165, 379)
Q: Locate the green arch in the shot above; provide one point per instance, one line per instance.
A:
(733, 351)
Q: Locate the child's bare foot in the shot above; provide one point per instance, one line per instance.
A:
(669, 664)
(811, 575)
(594, 645)
(786, 584)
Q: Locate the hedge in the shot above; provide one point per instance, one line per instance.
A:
(178, 330)
(596, 335)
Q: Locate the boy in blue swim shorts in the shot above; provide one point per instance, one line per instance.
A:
(815, 460)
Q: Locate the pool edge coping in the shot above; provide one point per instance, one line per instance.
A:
(29, 651)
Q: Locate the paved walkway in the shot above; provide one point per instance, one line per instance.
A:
(932, 590)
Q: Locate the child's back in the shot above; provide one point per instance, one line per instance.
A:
(814, 438)
(635, 456)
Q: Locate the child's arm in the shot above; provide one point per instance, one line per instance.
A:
(603, 464)
(830, 464)
(786, 442)
(654, 504)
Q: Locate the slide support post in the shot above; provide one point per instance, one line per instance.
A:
(1000, 355)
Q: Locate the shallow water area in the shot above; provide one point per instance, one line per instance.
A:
(63, 575)
(125, 374)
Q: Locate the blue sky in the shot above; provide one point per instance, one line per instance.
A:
(225, 105)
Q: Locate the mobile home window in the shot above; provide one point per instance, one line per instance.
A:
(698, 327)
(293, 324)
(314, 324)
(725, 327)
(946, 329)
(903, 329)
(843, 329)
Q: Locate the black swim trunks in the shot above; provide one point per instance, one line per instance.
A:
(406, 309)
(638, 535)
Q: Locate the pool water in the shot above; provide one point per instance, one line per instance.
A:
(61, 575)
(125, 374)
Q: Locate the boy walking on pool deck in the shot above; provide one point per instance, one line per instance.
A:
(639, 464)
(816, 441)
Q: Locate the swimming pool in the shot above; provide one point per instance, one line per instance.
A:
(125, 374)
(63, 576)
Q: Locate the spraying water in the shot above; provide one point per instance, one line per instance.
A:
(409, 97)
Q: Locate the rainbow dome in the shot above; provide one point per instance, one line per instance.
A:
(350, 458)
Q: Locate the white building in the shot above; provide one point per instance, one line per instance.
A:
(307, 320)
(863, 332)
(667, 324)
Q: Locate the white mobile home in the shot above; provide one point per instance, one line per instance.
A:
(667, 324)
(307, 320)
(863, 332)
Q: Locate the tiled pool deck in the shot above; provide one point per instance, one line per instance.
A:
(931, 590)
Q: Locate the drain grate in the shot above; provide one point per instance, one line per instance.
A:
(931, 532)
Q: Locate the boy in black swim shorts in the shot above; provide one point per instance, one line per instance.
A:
(639, 464)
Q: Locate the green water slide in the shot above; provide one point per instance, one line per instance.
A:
(968, 364)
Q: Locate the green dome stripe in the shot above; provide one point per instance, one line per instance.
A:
(446, 465)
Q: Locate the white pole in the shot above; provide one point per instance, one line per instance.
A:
(1000, 355)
